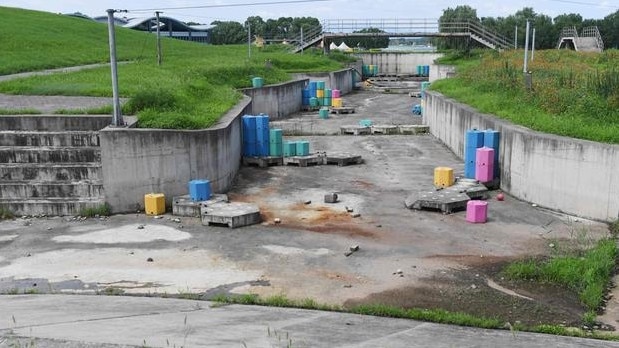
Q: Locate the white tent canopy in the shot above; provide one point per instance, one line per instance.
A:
(343, 47)
(333, 46)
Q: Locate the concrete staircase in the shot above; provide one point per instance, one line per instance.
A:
(50, 164)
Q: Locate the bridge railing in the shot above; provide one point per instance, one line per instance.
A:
(393, 26)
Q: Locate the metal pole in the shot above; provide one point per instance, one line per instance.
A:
(302, 43)
(516, 38)
(158, 39)
(533, 46)
(526, 48)
(117, 119)
(249, 40)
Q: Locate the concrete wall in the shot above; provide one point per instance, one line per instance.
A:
(54, 123)
(278, 100)
(342, 79)
(574, 176)
(140, 161)
(398, 62)
(281, 100)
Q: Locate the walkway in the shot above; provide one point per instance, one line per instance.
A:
(103, 321)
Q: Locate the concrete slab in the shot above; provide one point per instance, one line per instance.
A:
(263, 162)
(343, 159)
(413, 129)
(185, 206)
(233, 215)
(384, 129)
(355, 130)
(101, 322)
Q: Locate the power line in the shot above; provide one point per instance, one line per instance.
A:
(584, 3)
(229, 5)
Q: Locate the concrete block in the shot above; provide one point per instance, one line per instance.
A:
(331, 198)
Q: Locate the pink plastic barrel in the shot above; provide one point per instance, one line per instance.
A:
(484, 164)
(335, 93)
(476, 211)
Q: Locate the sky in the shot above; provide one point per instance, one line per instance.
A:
(321, 9)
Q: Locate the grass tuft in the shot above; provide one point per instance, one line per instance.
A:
(102, 210)
(588, 274)
(6, 214)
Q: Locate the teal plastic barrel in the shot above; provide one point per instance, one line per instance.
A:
(323, 113)
(257, 82)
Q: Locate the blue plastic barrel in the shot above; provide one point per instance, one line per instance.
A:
(492, 139)
(249, 136)
(199, 190)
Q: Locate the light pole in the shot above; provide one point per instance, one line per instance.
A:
(117, 119)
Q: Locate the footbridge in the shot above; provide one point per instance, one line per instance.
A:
(332, 29)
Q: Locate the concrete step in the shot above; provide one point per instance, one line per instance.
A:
(51, 155)
(55, 123)
(28, 138)
(35, 190)
(51, 172)
(50, 206)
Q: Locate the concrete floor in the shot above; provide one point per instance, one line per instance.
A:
(303, 256)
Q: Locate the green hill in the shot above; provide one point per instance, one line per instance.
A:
(195, 85)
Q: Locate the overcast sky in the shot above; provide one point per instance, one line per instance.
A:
(325, 9)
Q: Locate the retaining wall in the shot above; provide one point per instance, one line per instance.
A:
(574, 176)
(342, 79)
(398, 62)
(140, 161)
(278, 100)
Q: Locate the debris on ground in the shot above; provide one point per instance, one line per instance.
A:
(351, 250)
(331, 198)
(140, 227)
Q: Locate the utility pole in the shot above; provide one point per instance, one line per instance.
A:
(516, 38)
(117, 119)
(533, 46)
(159, 58)
(526, 48)
(249, 40)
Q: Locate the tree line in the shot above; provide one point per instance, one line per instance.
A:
(547, 29)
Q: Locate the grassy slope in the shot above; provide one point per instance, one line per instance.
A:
(197, 82)
(574, 94)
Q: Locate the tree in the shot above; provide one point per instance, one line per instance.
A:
(609, 28)
(370, 41)
(460, 14)
(257, 25)
(226, 33)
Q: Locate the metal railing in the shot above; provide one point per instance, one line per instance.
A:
(593, 32)
(403, 27)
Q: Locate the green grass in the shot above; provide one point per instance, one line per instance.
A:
(198, 82)
(574, 94)
(102, 210)
(6, 214)
(4, 111)
(588, 274)
(430, 315)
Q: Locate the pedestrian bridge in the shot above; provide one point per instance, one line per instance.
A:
(332, 29)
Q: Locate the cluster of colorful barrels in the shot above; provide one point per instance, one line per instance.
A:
(296, 148)
(423, 70)
(369, 70)
(481, 155)
(256, 136)
(261, 141)
(316, 95)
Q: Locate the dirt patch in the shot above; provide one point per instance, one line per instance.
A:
(308, 217)
(467, 290)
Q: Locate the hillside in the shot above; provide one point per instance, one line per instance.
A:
(574, 94)
(195, 85)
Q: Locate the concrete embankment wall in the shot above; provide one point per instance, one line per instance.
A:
(281, 100)
(398, 62)
(141, 161)
(574, 176)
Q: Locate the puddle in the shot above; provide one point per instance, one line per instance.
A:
(127, 234)
(170, 271)
(284, 250)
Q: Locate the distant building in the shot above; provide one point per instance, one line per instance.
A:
(168, 27)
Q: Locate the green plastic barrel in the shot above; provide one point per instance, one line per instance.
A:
(257, 82)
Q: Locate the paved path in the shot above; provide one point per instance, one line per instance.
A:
(51, 104)
(99, 321)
